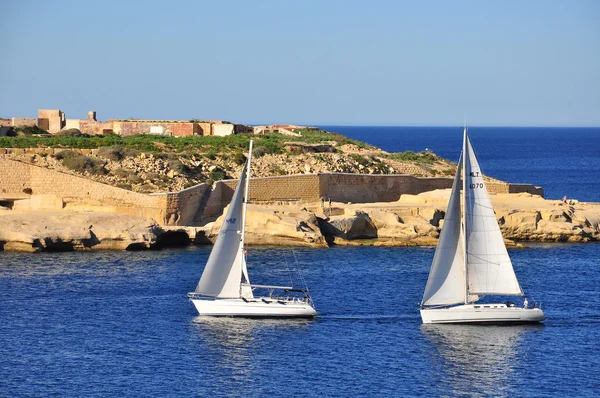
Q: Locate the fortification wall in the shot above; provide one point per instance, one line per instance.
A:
(53, 118)
(365, 188)
(204, 128)
(184, 207)
(222, 129)
(518, 188)
(5, 123)
(497, 187)
(302, 187)
(25, 122)
(177, 129)
(94, 127)
(78, 193)
(342, 187)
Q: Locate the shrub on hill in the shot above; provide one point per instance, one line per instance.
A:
(69, 133)
(239, 158)
(29, 130)
(217, 175)
(410, 156)
(81, 163)
(176, 165)
(116, 152)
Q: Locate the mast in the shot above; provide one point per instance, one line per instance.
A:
(464, 211)
(246, 201)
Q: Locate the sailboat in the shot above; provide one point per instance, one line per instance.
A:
(471, 259)
(224, 288)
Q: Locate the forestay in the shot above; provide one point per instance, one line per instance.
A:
(489, 268)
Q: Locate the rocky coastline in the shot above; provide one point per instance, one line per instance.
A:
(414, 220)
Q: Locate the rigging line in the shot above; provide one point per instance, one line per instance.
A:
(288, 269)
(484, 260)
(301, 274)
(485, 207)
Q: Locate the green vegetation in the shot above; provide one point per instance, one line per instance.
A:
(28, 131)
(410, 156)
(239, 158)
(69, 133)
(217, 175)
(81, 163)
(208, 145)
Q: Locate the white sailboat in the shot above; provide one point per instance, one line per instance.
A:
(471, 259)
(224, 288)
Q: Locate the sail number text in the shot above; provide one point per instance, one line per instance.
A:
(476, 185)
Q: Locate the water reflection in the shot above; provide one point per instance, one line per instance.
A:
(232, 347)
(475, 359)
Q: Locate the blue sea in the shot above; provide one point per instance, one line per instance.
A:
(119, 324)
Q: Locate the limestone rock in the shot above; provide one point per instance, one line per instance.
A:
(520, 224)
(65, 231)
(277, 228)
(357, 226)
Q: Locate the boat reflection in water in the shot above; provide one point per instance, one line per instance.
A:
(477, 360)
(232, 347)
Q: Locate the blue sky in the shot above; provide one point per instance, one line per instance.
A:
(500, 63)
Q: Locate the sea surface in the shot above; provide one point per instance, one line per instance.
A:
(119, 324)
(564, 161)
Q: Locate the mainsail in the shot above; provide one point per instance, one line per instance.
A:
(489, 268)
(225, 274)
(446, 282)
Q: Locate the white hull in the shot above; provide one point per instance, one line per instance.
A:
(259, 307)
(482, 313)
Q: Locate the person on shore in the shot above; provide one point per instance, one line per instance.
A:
(525, 303)
(564, 199)
(329, 200)
(322, 202)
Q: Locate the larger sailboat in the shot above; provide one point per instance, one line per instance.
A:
(224, 288)
(471, 259)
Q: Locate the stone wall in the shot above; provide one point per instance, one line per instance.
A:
(204, 128)
(365, 188)
(53, 118)
(297, 188)
(174, 128)
(78, 193)
(25, 122)
(517, 188)
(5, 123)
(94, 127)
(185, 207)
(497, 187)
(222, 129)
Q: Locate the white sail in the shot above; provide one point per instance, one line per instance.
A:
(489, 268)
(446, 283)
(226, 266)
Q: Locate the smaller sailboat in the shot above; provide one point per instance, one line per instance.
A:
(224, 288)
(471, 259)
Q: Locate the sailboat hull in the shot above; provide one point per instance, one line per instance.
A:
(482, 313)
(256, 308)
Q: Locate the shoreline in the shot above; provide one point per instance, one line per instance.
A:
(414, 220)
